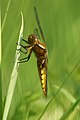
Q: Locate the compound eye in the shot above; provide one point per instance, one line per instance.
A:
(30, 37)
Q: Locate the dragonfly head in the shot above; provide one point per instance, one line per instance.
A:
(32, 39)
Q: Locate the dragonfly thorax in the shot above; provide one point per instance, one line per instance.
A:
(32, 39)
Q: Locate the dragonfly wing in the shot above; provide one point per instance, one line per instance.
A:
(38, 22)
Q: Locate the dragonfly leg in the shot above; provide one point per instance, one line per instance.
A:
(21, 45)
(22, 51)
(25, 47)
(24, 59)
(24, 40)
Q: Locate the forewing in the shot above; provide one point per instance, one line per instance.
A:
(42, 69)
(38, 22)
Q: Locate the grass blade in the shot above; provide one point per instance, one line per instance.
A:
(66, 115)
(13, 79)
(67, 94)
(0, 74)
(5, 16)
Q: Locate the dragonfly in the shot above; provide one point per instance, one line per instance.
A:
(41, 53)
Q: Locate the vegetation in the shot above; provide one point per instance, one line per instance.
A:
(60, 22)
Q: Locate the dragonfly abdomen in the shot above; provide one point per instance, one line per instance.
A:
(43, 74)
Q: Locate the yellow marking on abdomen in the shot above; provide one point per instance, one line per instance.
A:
(43, 86)
(43, 76)
(43, 81)
(42, 71)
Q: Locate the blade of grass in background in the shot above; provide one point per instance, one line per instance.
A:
(66, 115)
(5, 16)
(14, 75)
(0, 73)
(67, 94)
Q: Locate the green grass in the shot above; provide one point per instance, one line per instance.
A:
(0, 72)
(60, 21)
(14, 75)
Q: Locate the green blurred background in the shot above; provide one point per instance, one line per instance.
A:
(60, 21)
